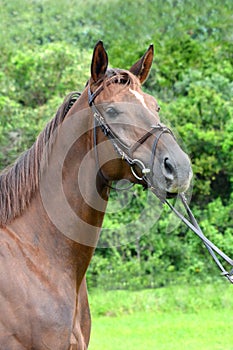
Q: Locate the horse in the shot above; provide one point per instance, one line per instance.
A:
(53, 200)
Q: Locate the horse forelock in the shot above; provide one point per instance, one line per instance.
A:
(19, 182)
(120, 76)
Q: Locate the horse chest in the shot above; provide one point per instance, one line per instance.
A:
(37, 309)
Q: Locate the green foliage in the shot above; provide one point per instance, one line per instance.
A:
(33, 78)
(33, 85)
(45, 52)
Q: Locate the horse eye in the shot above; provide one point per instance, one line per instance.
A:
(158, 108)
(112, 112)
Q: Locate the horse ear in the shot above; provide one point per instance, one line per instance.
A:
(99, 62)
(142, 67)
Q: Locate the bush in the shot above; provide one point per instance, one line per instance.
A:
(45, 52)
(36, 76)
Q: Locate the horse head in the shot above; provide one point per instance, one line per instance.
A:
(135, 144)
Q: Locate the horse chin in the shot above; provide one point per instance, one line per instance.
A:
(171, 195)
(163, 193)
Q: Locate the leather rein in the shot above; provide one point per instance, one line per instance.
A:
(126, 153)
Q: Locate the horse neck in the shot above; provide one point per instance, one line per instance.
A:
(68, 209)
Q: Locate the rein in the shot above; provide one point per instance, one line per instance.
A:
(212, 248)
(126, 153)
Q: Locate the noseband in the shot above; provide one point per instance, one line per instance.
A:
(125, 152)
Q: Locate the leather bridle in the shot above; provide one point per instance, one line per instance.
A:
(126, 153)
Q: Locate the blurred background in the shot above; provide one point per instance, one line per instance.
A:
(155, 284)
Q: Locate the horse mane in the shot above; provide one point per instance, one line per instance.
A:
(19, 182)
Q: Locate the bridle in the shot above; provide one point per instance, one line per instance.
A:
(126, 153)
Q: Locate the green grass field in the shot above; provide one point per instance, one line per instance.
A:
(169, 318)
(207, 330)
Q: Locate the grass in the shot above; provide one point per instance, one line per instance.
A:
(207, 330)
(169, 318)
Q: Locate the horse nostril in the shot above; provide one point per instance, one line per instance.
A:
(168, 166)
(169, 169)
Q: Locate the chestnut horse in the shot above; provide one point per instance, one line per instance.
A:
(53, 199)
